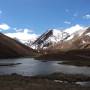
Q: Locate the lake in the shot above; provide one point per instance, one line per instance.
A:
(31, 67)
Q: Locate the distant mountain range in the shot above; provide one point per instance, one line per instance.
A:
(61, 39)
(64, 45)
(65, 40)
(11, 48)
(51, 41)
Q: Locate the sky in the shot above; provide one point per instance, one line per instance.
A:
(33, 17)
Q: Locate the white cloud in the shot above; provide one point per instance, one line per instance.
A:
(87, 16)
(23, 35)
(74, 28)
(67, 22)
(4, 26)
(21, 30)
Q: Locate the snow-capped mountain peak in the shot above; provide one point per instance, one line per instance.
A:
(74, 29)
(57, 36)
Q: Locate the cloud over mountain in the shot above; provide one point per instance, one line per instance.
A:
(23, 34)
(4, 26)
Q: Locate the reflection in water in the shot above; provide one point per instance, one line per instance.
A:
(30, 67)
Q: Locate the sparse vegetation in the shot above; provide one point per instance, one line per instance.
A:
(79, 54)
(77, 63)
(18, 82)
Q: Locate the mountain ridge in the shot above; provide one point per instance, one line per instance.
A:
(61, 37)
(11, 48)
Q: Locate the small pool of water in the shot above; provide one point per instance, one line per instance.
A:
(87, 84)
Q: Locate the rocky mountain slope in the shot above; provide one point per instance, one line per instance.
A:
(67, 39)
(76, 37)
(73, 46)
(10, 48)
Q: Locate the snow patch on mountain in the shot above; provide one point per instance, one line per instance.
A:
(88, 34)
(74, 29)
(83, 42)
(57, 36)
(67, 34)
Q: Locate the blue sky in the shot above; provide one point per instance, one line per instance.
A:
(40, 15)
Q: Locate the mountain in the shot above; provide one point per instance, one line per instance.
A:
(48, 38)
(74, 46)
(72, 38)
(25, 42)
(10, 48)
(65, 39)
(77, 40)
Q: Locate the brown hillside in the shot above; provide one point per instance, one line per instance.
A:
(10, 48)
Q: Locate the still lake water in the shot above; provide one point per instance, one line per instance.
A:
(31, 67)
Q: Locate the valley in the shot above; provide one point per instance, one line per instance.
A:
(55, 60)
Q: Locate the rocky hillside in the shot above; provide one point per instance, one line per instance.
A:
(10, 48)
(77, 40)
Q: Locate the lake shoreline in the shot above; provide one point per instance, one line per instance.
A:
(65, 55)
(56, 81)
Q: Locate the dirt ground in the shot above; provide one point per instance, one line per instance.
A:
(18, 82)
